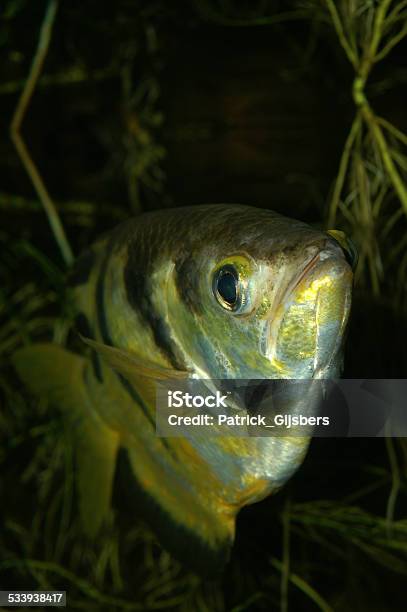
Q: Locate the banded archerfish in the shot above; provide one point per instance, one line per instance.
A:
(214, 291)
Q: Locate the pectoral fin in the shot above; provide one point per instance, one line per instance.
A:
(129, 364)
(52, 372)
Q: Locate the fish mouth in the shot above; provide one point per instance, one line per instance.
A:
(328, 251)
(305, 333)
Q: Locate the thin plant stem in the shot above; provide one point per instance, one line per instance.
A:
(378, 30)
(391, 222)
(341, 33)
(15, 127)
(392, 129)
(343, 166)
(378, 136)
(392, 43)
(307, 589)
(395, 12)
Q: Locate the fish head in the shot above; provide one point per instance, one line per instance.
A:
(263, 297)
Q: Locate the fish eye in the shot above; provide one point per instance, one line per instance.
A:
(226, 287)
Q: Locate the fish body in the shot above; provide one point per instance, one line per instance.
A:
(212, 292)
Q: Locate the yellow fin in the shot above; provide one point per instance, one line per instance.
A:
(196, 530)
(96, 450)
(130, 364)
(49, 370)
(52, 372)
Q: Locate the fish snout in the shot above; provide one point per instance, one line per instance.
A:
(313, 314)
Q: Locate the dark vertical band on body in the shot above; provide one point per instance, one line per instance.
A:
(138, 290)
